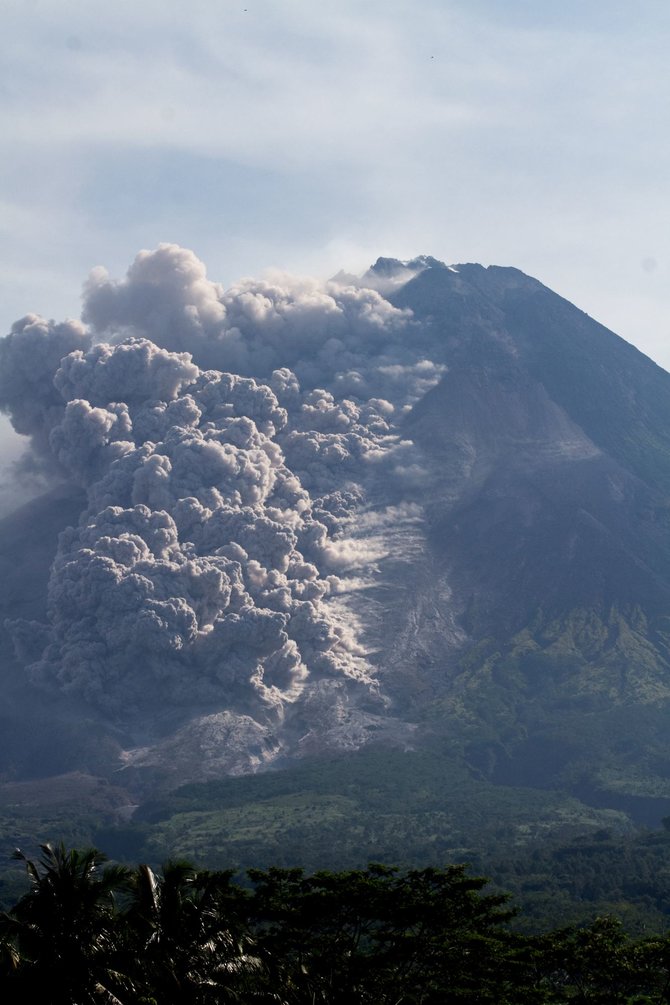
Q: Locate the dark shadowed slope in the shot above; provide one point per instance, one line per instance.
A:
(38, 736)
(549, 440)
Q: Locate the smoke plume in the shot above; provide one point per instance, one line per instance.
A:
(225, 439)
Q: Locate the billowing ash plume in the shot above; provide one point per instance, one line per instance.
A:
(29, 358)
(343, 337)
(224, 439)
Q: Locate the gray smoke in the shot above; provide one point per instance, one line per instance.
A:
(338, 335)
(29, 358)
(225, 440)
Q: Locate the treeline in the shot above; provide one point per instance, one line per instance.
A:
(87, 931)
(594, 874)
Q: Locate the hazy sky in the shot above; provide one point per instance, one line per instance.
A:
(316, 136)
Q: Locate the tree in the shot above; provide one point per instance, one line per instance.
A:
(187, 929)
(382, 937)
(61, 936)
(595, 965)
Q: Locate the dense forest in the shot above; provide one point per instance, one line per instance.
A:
(90, 931)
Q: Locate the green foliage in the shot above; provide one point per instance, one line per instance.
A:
(85, 933)
(376, 935)
(556, 883)
(414, 808)
(60, 935)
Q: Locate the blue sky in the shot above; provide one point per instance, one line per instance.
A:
(316, 136)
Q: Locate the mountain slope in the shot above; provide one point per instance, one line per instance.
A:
(450, 531)
(550, 517)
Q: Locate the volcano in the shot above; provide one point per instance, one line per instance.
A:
(423, 510)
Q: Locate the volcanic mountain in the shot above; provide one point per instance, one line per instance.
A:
(419, 510)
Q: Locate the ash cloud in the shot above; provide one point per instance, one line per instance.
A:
(225, 439)
(29, 358)
(340, 335)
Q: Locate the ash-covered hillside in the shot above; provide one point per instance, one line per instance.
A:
(300, 518)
